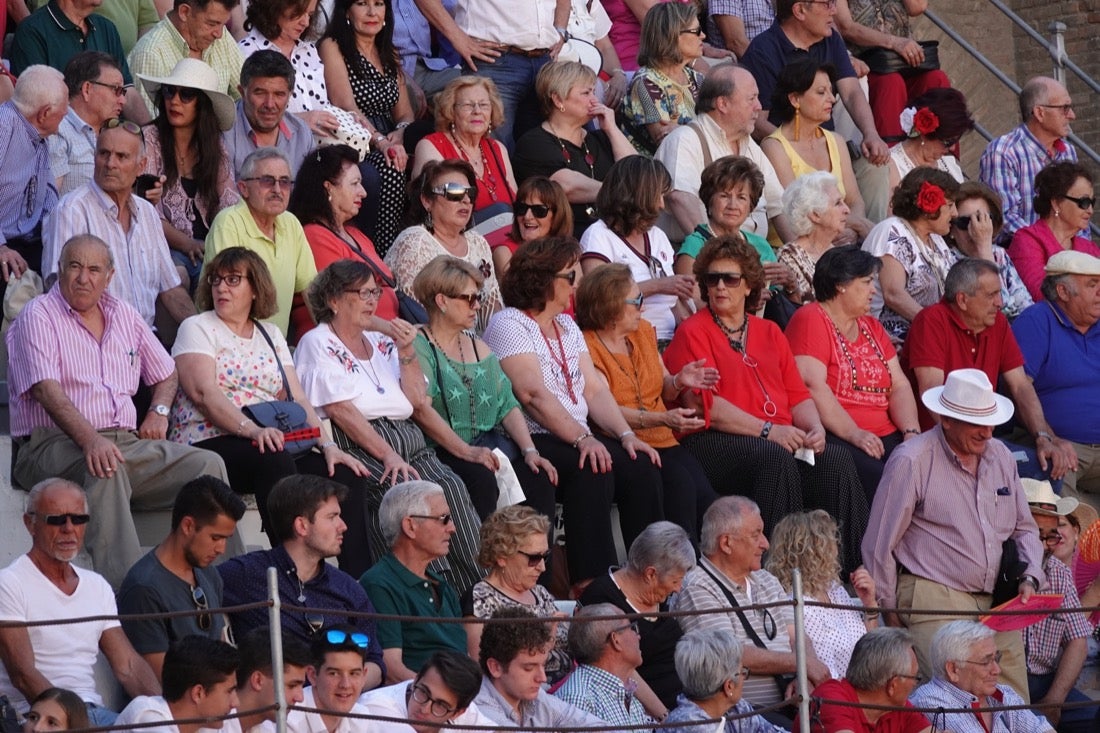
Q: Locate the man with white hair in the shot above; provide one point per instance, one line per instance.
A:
(28, 191)
(965, 664)
(417, 525)
(608, 653)
(1059, 339)
(948, 501)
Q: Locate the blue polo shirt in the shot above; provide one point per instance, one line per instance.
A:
(1064, 365)
(48, 37)
(398, 591)
(770, 51)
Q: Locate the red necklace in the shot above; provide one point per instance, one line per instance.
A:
(487, 178)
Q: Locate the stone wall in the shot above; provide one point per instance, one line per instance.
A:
(1020, 58)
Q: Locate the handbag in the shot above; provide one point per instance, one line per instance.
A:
(285, 415)
(349, 132)
(407, 307)
(780, 309)
(885, 61)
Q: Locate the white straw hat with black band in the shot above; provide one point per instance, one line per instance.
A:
(196, 74)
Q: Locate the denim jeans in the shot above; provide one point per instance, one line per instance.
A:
(1076, 720)
(514, 75)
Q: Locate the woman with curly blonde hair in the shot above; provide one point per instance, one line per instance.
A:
(515, 548)
(810, 541)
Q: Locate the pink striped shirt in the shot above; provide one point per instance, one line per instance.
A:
(49, 341)
(944, 523)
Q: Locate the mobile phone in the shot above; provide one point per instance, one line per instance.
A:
(144, 182)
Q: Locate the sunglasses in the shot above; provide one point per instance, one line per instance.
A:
(534, 558)
(443, 519)
(198, 595)
(185, 94)
(540, 211)
(339, 636)
(455, 191)
(637, 302)
(696, 31)
(1083, 202)
(126, 125)
(730, 279)
(232, 280)
(950, 142)
(59, 520)
(314, 621)
(271, 181)
(472, 299)
(570, 276)
(633, 626)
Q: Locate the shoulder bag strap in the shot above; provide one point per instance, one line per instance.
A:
(707, 158)
(749, 630)
(378, 274)
(278, 361)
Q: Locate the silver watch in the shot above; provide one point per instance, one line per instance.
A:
(161, 410)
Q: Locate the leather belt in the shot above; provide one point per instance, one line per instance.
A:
(531, 53)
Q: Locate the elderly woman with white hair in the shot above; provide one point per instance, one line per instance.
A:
(965, 667)
(656, 563)
(817, 213)
(708, 662)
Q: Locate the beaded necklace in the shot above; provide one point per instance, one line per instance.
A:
(589, 159)
(632, 375)
(488, 178)
(843, 343)
(463, 374)
(559, 359)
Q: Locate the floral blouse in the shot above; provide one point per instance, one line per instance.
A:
(654, 97)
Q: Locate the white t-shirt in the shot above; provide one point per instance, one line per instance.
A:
(390, 702)
(302, 722)
(330, 373)
(65, 655)
(606, 245)
(147, 709)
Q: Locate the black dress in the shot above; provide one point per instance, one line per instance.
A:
(376, 94)
(539, 153)
(658, 641)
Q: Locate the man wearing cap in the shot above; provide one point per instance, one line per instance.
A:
(1057, 645)
(968, 330)
(947, 501)
(1060, 342)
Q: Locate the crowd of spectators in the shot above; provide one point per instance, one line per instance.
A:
(415, 273)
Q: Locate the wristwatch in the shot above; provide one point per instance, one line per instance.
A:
(1030, 580)
(766, 431)
(161, 410)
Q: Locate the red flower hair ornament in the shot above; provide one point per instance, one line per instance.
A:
(930, 198)
(921, 121)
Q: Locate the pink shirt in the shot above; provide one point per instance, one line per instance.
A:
(1032, 246)
(49, 341)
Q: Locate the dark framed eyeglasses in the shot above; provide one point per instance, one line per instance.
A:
(233, 279)
(117, 89)
(1066, 108)
(962, 223)
(636, 302)
(443, 519)
(1083, 202)
(696, 31)
(917, 678)
(534, 558)
(570, 277)
(765, 615)
(633, 626)
(423, 696)
(339, 637)
(1050, 539)
(539, 211)
(198, 597)
(185, 94)
(472, 299)
(455, 191)
(826, 3)
(60, 520)
(366, 293)
(729, 279)
(271, 181)
(127, 125)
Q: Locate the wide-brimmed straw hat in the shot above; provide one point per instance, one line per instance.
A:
(967, 395)
(1042, 499)
(196, 74)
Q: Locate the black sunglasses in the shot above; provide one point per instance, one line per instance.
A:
(473, 299)
(1083, 202)
(571, 276)
(696, 31)
(769, 623)
(59, 520)
(198, 595)
(534, 558)
(185, 94)
(455, 191)
(731, 279)
(540, 211)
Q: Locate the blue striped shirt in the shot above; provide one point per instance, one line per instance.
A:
(27, 188)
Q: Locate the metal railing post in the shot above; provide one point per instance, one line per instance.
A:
(276, 626)
(801, 682)
(1058, 49)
